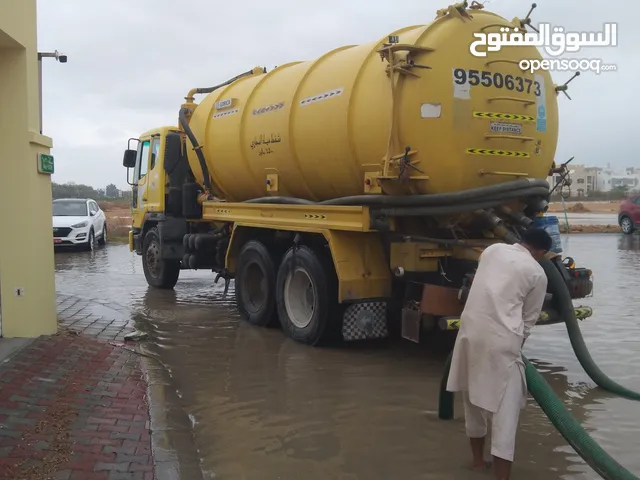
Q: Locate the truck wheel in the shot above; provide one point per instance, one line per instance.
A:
(306, 296)
(159, 272)
(255, 283)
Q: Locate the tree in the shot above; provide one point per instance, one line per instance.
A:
(72, 190)
(111, 191)
(620, 192)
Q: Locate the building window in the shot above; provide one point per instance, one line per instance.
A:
(581, 180)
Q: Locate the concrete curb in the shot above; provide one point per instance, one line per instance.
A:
(10, 347)
(175, 456)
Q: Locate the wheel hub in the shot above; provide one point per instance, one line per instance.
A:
(300, 298)
(254, 288)
(153, 255)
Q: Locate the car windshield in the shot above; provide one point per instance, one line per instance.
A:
(69, 209)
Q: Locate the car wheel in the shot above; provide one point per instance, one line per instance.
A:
(627, 225)
(91, 241)
(159, 272)
(103, 237)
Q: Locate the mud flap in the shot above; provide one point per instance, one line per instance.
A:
(411, 321)
(365, 321)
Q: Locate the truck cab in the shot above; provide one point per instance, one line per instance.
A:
(148, 178)
(155, 233)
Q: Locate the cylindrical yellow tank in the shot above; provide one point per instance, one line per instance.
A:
(321, 129)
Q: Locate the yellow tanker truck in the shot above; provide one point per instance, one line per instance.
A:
(351, 196)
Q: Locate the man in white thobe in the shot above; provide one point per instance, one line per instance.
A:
(504, 303)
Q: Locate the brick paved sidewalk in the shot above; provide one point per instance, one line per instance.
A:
(72, 408)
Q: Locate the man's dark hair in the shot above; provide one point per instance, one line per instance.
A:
(537, 238)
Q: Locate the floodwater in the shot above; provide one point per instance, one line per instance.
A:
(264, 407)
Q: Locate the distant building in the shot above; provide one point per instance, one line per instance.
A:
(628, 177)
(585, 180)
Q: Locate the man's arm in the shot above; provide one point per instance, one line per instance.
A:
(533, 304)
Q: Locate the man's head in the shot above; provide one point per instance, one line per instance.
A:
(537, 241)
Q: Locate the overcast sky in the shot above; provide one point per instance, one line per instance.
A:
(131, 62)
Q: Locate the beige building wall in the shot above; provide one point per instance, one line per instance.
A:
(27, 285)
(584, 180)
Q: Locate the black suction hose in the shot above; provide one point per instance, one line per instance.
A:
(228, 82)
(564, 305)
(281, 201)
(182, 117)
(495, 194)
(439, 198)
(480, 203)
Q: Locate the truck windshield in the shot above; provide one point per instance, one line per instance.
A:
(70, 209)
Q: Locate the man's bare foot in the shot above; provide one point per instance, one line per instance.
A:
(479, 467)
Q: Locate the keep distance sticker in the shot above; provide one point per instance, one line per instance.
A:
(508, 128)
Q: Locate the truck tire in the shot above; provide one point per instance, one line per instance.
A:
(159, 272)
(306, 296)
(255, 284)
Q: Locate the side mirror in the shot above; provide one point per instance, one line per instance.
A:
(92, 213)
(129, 159)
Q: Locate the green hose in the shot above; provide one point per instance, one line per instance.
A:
(552, 406)
(445, 403)
(571, 430)
(564, 305)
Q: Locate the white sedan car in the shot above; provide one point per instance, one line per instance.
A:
(78, 222)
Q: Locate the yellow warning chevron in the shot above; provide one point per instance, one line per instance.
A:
(315, 216)
(453, 324)
(499, 153)
(504, 116)
(583, 312)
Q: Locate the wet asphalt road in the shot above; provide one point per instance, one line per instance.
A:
(264, 407)
(589, 218)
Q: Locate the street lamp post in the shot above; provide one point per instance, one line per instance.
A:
(60, 57)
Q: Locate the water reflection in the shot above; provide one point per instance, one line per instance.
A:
(629, 243)
(613, 338)
(265, 407)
